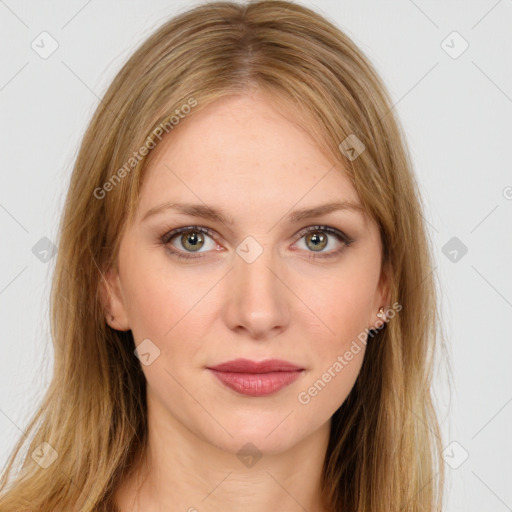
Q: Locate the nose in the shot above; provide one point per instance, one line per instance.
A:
(257, 297)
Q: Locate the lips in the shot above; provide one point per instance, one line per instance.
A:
(253, 378)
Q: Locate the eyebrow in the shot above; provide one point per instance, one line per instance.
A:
(207, 212)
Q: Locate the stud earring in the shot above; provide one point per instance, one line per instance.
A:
(381, 314)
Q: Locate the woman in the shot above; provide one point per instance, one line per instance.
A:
(243, 311)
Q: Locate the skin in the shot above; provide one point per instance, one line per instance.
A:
(243, 155)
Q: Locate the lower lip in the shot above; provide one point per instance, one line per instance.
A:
(257, 384)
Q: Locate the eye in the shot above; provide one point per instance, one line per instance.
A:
(195, 238)
(317, 238)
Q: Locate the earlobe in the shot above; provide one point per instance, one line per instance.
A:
(112, 301)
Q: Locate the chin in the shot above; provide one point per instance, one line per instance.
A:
(269, 435)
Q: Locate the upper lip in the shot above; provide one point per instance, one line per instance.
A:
(248, 366)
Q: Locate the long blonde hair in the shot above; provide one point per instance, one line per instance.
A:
(385, 447)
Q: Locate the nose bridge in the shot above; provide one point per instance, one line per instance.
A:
(256, 296)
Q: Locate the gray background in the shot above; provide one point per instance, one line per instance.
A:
(456, 109)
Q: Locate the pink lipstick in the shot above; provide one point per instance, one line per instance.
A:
(256, 378)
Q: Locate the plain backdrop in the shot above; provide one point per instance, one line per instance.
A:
(448, 67)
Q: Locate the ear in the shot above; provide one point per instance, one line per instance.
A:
(112, 300)
(384, 286)
(383, 293)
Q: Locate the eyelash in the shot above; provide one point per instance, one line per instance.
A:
(339, 235)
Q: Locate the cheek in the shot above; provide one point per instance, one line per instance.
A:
(168, 306)
(152, 293)
(343, 304)
(327, 389)
(151, 305)
(338, 355)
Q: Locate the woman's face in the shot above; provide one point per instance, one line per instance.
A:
(255, 286)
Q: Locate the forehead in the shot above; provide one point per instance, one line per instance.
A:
(244, 151)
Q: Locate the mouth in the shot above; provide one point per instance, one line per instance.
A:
(255, 379)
